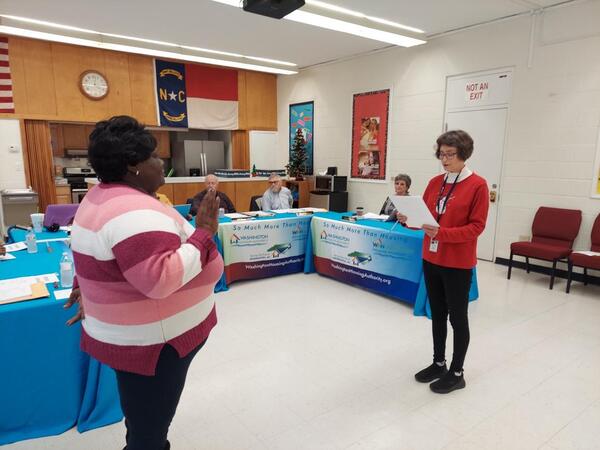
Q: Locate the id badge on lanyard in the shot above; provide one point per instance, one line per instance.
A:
(441, 209)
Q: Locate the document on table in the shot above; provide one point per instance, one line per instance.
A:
(259, 214)
(588, 253)
(236, 216)
(415, 209)
(10, 291)
(286, 211)
(15, 247)
(25, 288)
(6, 257)
(62, 294)
(374, 216)
(313, 210)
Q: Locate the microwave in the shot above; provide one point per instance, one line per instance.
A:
(332, 183)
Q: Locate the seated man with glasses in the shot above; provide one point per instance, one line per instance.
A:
(277, 196)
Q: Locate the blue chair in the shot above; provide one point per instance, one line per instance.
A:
(184, 210)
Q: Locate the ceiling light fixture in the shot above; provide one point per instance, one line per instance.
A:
(14, 31)
(359, 25)
(148, 41)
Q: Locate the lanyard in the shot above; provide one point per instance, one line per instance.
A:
(441, 210)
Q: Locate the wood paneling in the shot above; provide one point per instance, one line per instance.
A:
(303, 191)
(229, 189)
(183, 191)
(242, 116)
(66, 69)
(260, 101)
(245, 190)
(56, 140)
(240, 150)
(39, 155)
(39, 77)
(141, 82)
(167, 189)
(117, 71)
(46, 82)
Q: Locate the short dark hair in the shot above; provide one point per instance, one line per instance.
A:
(403, 177)
(116, 143)
(458, 139)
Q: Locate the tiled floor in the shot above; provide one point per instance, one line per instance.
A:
(304, 362)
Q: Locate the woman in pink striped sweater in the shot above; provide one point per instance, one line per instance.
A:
(146, 278)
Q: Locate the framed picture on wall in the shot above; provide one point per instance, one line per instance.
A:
(596, 174)
(370, 115)
(302, 117)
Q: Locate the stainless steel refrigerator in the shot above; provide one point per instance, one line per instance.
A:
(197, 157)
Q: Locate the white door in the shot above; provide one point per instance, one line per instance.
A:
(487, 127)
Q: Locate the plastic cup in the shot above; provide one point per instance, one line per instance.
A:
(221, 212)
(360, 211)
(37, 220)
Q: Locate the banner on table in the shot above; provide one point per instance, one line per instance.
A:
(264, 248)
(196, 96)
(373, 258)
(302, 116)
(370, 114)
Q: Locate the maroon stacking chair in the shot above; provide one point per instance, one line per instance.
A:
(586, 261)
(553, 232)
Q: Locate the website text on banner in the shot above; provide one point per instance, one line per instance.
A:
(374, 258)
(263, 248)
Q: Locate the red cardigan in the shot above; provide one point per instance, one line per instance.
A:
(461, 224)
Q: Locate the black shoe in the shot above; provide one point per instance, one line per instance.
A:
(448, 383)
(433, 372)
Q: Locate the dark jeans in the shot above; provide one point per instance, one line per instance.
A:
(149, 402)
(448, 291)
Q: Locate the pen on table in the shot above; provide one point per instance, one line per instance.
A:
(394, 226)
(48, 247)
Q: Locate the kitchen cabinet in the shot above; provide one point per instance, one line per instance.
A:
(56, 140)
(163, 144)
(75, 136)
(63, 195)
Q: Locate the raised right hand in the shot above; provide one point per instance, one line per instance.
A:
(208, 213)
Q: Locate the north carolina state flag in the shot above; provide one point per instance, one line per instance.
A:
(195, 96)
(212, 97)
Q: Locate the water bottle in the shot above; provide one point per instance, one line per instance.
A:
(66, 271)
(31, 241)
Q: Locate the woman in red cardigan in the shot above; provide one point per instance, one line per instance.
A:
(459, 200)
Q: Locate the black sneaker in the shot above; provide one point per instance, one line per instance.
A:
(433, 372)
(448, 383)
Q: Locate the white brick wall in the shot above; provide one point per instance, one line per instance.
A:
(553, 120)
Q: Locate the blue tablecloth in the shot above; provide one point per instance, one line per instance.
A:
(47, 384)
(262, 247)
(357, 249)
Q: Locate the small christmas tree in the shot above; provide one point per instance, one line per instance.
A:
(297, 165)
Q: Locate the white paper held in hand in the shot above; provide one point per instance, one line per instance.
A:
(415, 209)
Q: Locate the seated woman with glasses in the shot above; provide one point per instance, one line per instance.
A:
(401, 186)
(277, 196)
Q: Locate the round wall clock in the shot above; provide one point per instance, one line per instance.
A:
(93, 85)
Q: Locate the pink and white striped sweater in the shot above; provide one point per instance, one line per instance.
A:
(146, 278)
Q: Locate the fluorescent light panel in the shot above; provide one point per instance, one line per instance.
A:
(14, 31)
(332, 23)
(360, 15)
(148, 41)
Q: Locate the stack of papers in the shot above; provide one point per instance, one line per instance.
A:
(15, 247)
(6, 257)
(236, 216)
(25, 288)
(313, 210)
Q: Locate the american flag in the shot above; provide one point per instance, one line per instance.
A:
(6, 94)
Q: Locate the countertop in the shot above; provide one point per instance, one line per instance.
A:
(175, 180)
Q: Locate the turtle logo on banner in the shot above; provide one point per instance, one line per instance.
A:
(171, 94)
